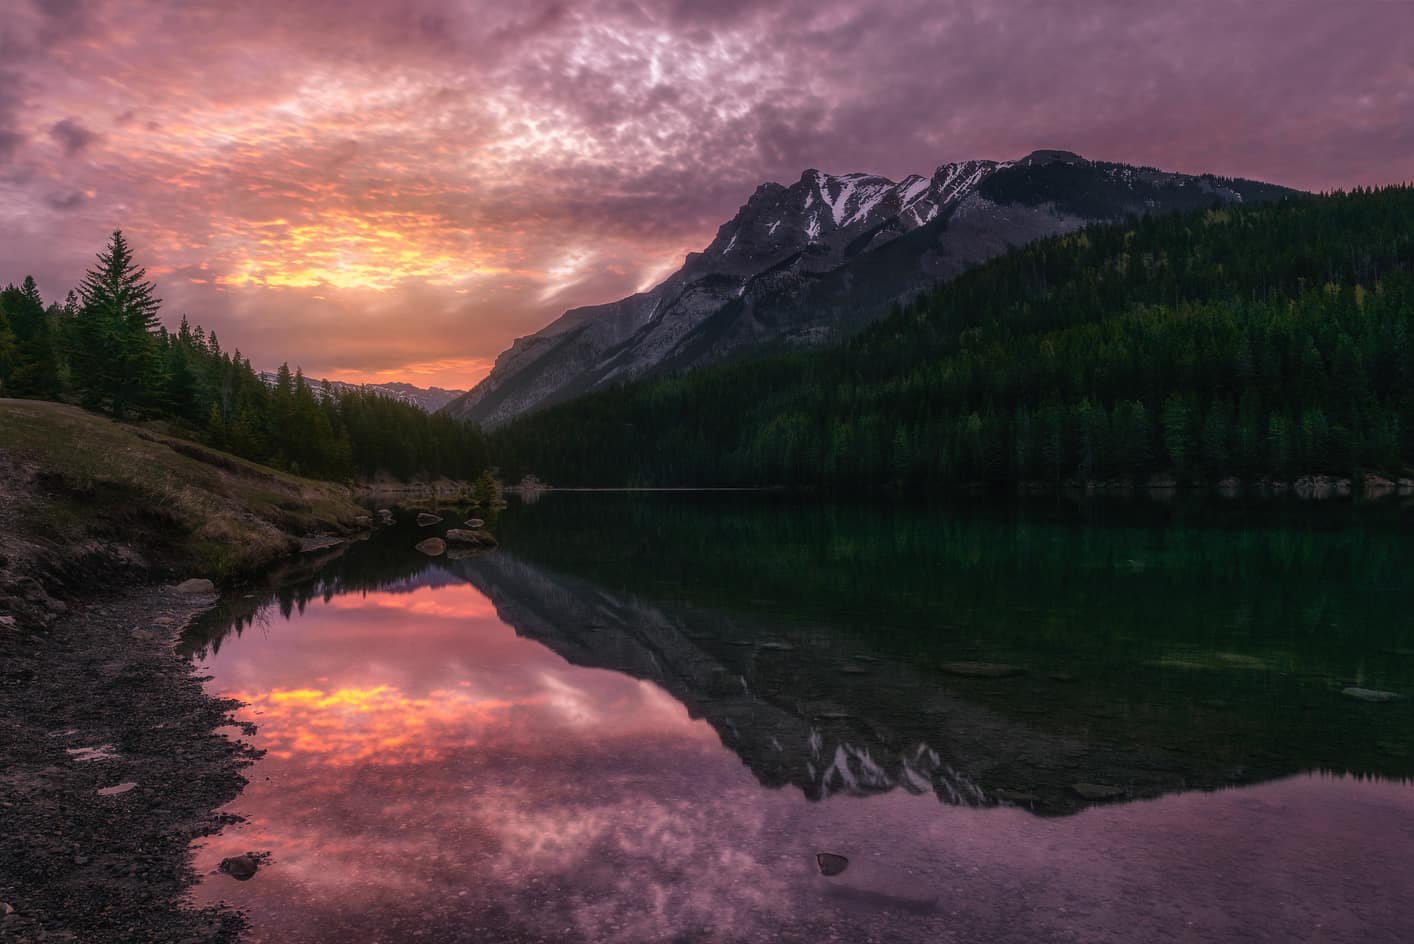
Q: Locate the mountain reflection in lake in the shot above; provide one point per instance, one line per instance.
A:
(643, 717)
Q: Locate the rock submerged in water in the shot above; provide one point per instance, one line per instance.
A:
(424, 519)
(432, 547)
(196, 585)
(1098, 791)
(477, 538)
(1370, 694)
(981, 669)
(241, 867)
(475, 524)
(830, 864)
(385, 516)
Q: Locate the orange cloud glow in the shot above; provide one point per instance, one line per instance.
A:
(348, 726)
(374, 190)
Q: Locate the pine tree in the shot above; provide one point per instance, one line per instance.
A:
(7, 352)
(34, 368)
(115, 356)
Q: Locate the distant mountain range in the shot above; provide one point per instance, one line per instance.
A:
(429, 399)
(813, 261)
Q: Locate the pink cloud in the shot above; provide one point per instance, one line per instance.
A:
(365, 187)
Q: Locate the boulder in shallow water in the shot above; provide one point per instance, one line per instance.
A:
(241, 867)
(1098, 791)
(1370, 694)
(476, 538)
(385, 516)
(982, 669)
(475, 524)
(432, 547)
(424, 519)
(196, 585)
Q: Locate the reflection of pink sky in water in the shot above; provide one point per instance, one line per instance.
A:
(429, 771)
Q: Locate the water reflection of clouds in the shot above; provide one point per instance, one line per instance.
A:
(377, 725)
(429, 771)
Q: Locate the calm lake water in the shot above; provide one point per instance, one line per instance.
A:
(643, 716)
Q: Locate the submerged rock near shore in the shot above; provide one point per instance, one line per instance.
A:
(471, 538)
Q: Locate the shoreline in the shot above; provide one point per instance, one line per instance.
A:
(102, 701)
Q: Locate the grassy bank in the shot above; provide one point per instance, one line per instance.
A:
(86, 501)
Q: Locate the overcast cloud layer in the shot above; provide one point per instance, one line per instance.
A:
(380, 190)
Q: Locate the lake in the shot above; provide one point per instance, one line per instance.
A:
(643, 716)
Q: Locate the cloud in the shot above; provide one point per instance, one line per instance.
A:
(425, 169)
(10, 142)
(72, 136)
(65, 201)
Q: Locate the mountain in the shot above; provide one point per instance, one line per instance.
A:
(811, 262)
(428, 399)
(1268, 342)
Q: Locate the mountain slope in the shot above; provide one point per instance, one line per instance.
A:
(1260, 341)
(427, 399)
(811, 262)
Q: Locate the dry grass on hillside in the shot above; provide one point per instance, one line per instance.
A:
(78, 483)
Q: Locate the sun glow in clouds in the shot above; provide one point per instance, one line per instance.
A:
(361, 187)
(350, 726)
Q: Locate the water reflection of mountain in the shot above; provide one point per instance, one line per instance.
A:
(804, 706)
(837, 653)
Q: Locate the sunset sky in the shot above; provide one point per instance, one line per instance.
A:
(396, 190)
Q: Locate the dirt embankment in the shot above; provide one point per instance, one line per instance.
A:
(110, 760)
(88, 504)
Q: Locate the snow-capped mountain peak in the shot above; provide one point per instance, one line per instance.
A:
(805, 262)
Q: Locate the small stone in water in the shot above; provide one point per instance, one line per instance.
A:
(240, 867)
(432, 547)
(1098, 791)
(981, 669)
(1370, 694)
(831, 864)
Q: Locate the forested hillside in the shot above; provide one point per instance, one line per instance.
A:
(104, 348)
(1261, 340)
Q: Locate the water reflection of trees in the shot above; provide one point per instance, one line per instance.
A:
(1310, 589)
(1214, 645)
(386, 564)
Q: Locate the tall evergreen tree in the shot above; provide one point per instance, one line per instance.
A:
(116, 360)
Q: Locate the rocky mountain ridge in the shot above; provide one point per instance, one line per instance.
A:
(811, 262)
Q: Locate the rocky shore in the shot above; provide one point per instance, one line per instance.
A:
(110, 765)
(113, 537)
